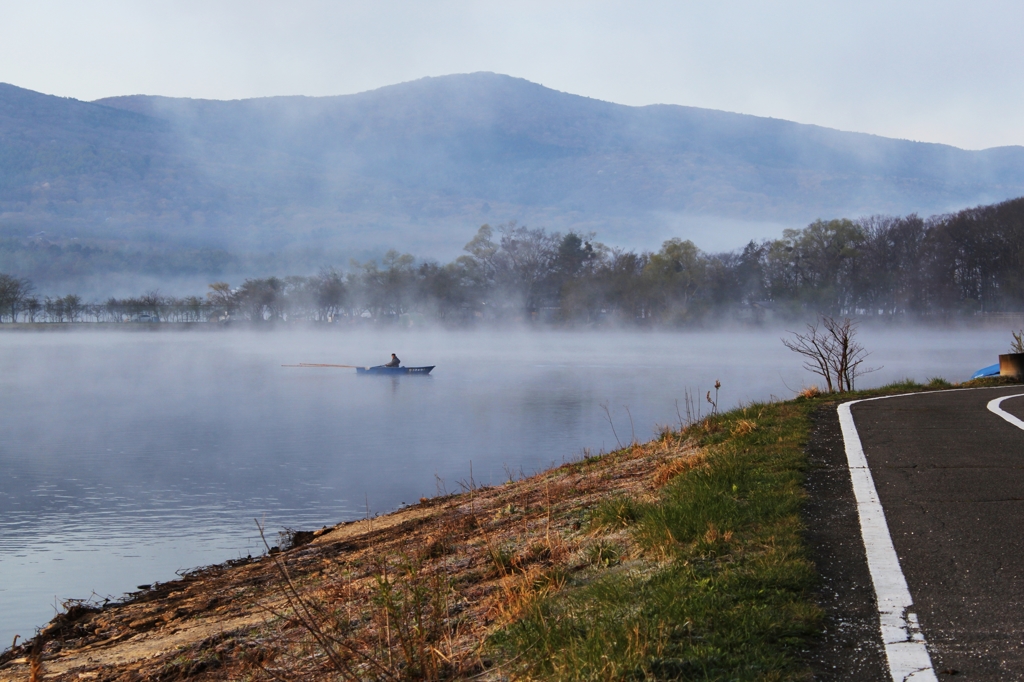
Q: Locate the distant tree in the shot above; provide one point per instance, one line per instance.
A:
(1009, 222)
(193, 309)
(676, 275)
(13, 293)
(32, 307)
(72, 307)
(261, 300)
(115, 310)
(573, 284)
(624, 293)
(967, 262)
(446, 291)
(891, 278)
(481, 263)
(299, 298)
(222, 300)
(749, 274)
(816, 267)
(523, 266)
(975, 259)
(574, 257)
(94, 310)
(54, 309)
(330, 293)
(150, 304)
(387, 290)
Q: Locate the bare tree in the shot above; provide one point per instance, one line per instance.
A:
(831, 352)
(32, 308)
(13, 293)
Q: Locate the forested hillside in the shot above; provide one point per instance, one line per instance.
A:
(956, 265)
(155, 189)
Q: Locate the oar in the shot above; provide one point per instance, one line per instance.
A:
(313, 364)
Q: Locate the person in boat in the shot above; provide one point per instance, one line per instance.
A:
(395, 362)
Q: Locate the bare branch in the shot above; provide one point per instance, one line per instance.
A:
(832, 352)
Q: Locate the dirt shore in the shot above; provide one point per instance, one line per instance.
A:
(413, 593)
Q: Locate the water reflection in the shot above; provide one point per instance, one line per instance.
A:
(126, 457)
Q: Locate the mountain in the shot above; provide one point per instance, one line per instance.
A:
(419, 166)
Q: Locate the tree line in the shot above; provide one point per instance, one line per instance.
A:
(962, 263)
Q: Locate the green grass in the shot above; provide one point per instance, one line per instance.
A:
(722, 587)
(905, 384)
(719, 587)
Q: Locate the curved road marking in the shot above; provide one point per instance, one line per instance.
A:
(904, 643)
(993, 406)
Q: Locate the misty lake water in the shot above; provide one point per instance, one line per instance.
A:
(125, 457)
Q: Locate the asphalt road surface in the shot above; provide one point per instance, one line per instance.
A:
(950, 477)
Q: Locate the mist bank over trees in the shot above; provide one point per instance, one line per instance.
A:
(959, 264)
(99, 269)
(204, 187)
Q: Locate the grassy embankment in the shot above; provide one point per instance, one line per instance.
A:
(681, 558)
(721, 585)
(714, 580)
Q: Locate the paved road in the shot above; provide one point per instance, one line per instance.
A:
(950, 476)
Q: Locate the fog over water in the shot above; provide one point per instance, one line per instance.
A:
(128, 456)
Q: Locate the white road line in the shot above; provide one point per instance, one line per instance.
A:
(904, 643)
(993, 406)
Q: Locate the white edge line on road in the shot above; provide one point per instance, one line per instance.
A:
(901, 634)
(993, 406)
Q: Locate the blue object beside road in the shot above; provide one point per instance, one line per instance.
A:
(990, 371)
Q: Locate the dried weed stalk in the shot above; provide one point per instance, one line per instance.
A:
(313, 619)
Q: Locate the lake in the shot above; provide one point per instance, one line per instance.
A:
(125, 457)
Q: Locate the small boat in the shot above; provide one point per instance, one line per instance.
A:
(381, 369)
(990, 371)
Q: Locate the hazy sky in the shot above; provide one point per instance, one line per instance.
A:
(936, 71)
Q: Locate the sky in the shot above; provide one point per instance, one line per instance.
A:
(938, 71)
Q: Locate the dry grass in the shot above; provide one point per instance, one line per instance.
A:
(743, 426)
(705, 575)
(410, 595)
(669, 470)
(810, 392)
(660, 560)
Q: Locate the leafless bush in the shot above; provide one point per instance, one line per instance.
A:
(343, 655)
(411, 623)
(831, 352)
(1018, 342)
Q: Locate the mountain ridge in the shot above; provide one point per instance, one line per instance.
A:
(419, 165)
